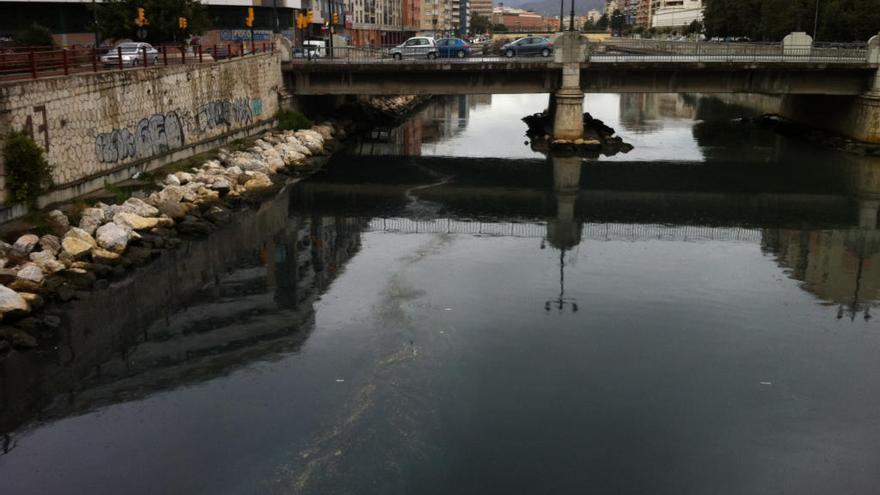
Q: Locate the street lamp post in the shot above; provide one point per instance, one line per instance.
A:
(571, 18)
(561, 15)
(816, 22)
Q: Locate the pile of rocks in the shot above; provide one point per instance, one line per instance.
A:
(110, 238)
(384, 108)
(597, 139)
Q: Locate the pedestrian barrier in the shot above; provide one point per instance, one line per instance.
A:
(38, 62)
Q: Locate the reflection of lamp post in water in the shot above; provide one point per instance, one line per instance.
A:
(853, 308)
(564, 231)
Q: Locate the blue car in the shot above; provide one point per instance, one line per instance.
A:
(453, 47)
(530, 45)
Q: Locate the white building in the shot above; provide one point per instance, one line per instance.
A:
(676, 13)
(594, 16)
(611, 6)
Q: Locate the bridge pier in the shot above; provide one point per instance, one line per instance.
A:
(567, 104)
(855, 117)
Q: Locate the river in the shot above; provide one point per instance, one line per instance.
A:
(442, 309)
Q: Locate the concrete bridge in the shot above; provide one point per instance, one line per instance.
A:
(796, 67)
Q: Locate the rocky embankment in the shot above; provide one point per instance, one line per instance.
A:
(385, 109)
(91, 247)
(598, 138)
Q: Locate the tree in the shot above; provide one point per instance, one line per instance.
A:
(771, 20)
(480, 24)
(499, 28)
(116, 19)
(695, 27)
(618, 20)
(602, 23)
(34, 35)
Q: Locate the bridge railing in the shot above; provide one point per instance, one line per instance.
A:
(538, 230)
(633, 50)
(38, 62)
(386, 55)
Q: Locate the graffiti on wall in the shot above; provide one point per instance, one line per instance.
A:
(164, 132)
(230, 112)
(151, 136)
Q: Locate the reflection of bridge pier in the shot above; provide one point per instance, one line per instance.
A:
(868, 214)
(564, 231)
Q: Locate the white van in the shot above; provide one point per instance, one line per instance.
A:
(311, 49)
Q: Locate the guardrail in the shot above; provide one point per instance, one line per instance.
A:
(623, 50)
(390, 55)
(612, 50)
(34, 63)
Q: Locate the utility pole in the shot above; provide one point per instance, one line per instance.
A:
(816, 23)
(95, 22)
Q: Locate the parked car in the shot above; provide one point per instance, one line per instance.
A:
(132, 54)
(530, 45)
(453, 47)
(418, 47)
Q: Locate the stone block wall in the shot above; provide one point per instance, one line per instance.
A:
(99, 124)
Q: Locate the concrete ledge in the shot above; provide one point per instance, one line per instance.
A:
(67, 192)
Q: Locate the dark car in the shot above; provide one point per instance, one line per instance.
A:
(530, 45)
(453, 47)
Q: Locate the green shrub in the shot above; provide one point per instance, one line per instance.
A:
(27, 172)
(34, 35)
(119, 193)
(292, 121)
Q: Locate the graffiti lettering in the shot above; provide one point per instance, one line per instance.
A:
(152, 136)
(219, 113)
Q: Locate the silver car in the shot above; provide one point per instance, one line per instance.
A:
(418, 47)
(132, 54)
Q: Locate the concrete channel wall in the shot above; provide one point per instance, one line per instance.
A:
(104, 127)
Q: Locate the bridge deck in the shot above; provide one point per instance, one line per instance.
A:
(771, 75)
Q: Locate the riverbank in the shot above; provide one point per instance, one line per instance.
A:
(91, 247)
(79, 248)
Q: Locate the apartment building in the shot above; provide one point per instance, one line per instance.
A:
(482, 7)
(461, 17)
(643, 13)
(377, 23)
(436, 17)
(675, 13)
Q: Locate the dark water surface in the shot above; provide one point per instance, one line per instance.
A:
(444, 310)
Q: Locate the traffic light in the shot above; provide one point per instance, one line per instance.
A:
(181, 22)
(249, 21)
(310, 16)
(301, 22)
(141, 19)
(335, 18)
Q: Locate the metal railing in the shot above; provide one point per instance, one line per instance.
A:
(589, 230)
(391, 55)
(633, 50)
(613, 50)
(35, 62)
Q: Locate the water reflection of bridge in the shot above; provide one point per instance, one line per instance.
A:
(595, 231)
